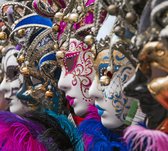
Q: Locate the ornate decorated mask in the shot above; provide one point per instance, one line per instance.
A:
(110, 100)
(12, 82)
(73, 48)
(77, 75)
(34, 34)
(3, 102)
(153, 56)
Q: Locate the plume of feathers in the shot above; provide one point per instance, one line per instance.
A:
(54, 137)
(140, 138)
(96, 137)
(71, 131)
(19, 134)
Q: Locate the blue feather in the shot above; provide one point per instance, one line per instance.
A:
(70, 130)
(102, 138)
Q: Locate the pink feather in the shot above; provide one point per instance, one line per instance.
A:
(142, 139)
(16, 136)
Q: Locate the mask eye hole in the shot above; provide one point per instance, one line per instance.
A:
(70, 61)
(12, 73)
(102, 70)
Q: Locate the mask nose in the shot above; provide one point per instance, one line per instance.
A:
(64, 82)
(4, 85)
(5, 88)
(95, 90)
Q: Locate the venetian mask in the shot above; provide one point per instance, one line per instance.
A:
(110, 100)
(35, 90)
(153, 57)
(76, 76)
(12, 82)
(3, 102)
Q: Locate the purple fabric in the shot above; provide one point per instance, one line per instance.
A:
(89, 19)
(10, 10)
(18, 47)
(35, 5)
(61, 29)
(10, 15)
(89, 2)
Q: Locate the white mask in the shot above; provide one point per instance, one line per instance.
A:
(12, 82)
(112, 104)
(76, 76)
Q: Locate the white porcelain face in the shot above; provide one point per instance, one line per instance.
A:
(76, 76)
(110, 101)
(11, 82)
(3, 102)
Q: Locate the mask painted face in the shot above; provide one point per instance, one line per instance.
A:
(76, 76)
(3, 102)
(11, 82)
(112, 104)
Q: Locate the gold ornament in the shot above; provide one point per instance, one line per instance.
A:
(112, 9)
(55, 27)
(49, 94)
(66, 18)
(89, 40)
(25, 71)
(3, 36)
(119, 31)
(130, 17)
(154, 54)
(42, 88)
(159, 89)
(93, 49)
(73, 17)
(21, 59)
(60, 54)
(160, 53)
(158, 84)
(105, 80)
(56, 46)
(59, 16)
(21, 32)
